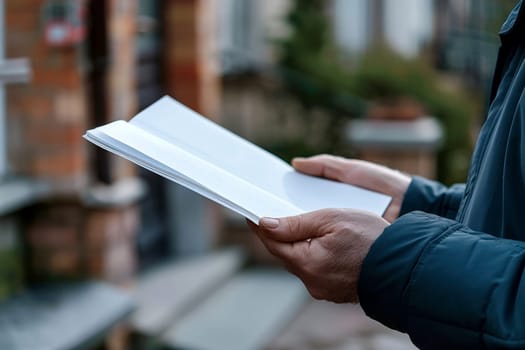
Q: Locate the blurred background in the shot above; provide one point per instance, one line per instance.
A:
(98, 254)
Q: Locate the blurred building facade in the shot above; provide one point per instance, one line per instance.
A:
(69, 210)
(405, 25)
(75, 211)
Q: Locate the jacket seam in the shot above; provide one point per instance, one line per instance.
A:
(416, 269)
(445, 234)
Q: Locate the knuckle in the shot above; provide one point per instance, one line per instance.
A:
(272, 248)
(326, 158)
(295, 224)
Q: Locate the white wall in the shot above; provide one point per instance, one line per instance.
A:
(247, 28)
(350, 24)
(408, 24)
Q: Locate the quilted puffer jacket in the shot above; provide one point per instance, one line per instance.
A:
(452, 273)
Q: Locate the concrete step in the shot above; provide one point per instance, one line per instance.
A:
(246, 313)
(66, 316)
(166, 294)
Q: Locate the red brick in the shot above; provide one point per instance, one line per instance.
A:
(185, 71)
(70, 107)
(95, 263)
(65, 261)
(57, 60)
(30, 106)
(122, 168)
(62, 214)
(23, 21)
(41, 52)
(188, 42)
(122, 95)
(59, 164)
(103, 229)
(182, 12)
(182, 55)
(67, 78)
(23, 5)
(131, 221)
(56, 262)
(44, 237)
(115, 263)
(20, 44)
(189, 94)
(48, 135)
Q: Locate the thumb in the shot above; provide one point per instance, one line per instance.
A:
(327, 166)
(293, 228)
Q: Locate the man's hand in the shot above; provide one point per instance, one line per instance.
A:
(359, 173)
(325, 248)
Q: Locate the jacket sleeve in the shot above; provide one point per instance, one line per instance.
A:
(432, 197)
(445, 285)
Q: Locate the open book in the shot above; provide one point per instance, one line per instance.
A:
(181, 145)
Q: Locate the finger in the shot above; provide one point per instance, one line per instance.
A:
(327, 166)
(296, 228)
(283, 250)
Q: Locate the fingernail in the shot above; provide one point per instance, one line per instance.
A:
(269, 223)
(296, 160)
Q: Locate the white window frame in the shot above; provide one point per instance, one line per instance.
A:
(239, 34)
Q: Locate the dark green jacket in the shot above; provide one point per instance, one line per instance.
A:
(452, 275)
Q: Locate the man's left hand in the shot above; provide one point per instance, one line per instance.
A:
(325, 248)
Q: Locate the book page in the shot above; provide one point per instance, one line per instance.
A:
(179, 144)
(178, 165)
(179, 125)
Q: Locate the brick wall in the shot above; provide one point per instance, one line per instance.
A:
(47, 117)
(191, 69)
(192, 77)
(46, 120)
(67, 241)
(122, 89)
(110, 247)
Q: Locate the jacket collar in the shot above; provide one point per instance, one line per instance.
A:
(515, 19)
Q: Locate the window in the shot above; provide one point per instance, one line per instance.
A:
(11, 71)
(238, 35)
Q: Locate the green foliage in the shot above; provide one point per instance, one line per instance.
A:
(312, 76)
(287, 149)
(383, 74)
(11, 274)
(310, 35)
(313, 73)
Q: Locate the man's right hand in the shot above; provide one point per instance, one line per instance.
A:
(359, 173)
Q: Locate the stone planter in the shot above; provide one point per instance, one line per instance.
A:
(402, 108)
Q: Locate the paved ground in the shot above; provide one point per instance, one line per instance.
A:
(323, 325)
